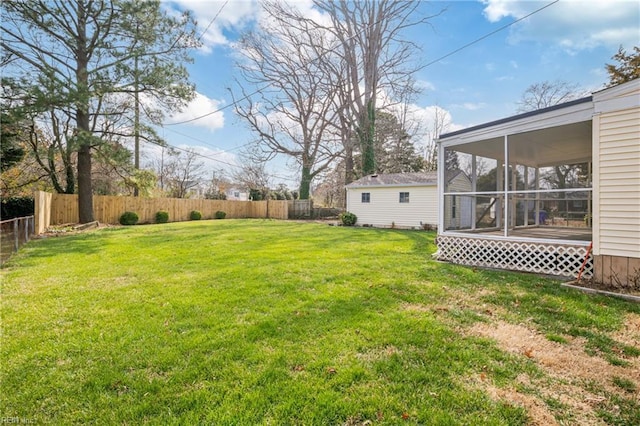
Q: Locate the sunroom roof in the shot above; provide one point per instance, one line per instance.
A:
(557, 135)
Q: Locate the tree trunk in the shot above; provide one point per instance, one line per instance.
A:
(136, 123)
(85, 192)
(305, 183)
(367, 129)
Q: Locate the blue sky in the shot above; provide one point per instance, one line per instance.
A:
(571, 40)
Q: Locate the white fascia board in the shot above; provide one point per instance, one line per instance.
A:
(558, 117)
(617, 104)
(395, 185)
(628, 89)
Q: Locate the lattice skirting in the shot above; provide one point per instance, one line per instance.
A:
(542, 258)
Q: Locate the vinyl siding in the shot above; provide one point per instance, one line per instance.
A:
(385, 209)
(618, 188)
(460, 183)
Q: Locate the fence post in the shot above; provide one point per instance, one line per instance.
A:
(42, 213)
(16, 238)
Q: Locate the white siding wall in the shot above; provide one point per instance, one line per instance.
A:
(460, 183)
(617, 183)
(385, 207)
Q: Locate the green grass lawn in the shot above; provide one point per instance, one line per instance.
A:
(269, 322)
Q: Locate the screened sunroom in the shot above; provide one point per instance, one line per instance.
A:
(530, 198)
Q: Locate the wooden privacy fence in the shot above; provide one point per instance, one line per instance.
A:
(57, 209)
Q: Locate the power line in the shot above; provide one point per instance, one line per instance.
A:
(190, 151)
(329, 50)
(213, 20)
(235, 102)
(208, 143)
(489, 34)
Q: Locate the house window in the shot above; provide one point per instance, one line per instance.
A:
(404, 197)
(366, 197)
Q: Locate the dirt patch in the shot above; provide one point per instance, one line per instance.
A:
(73, 229)
(538, 412)
(568, 368)
(630, 333)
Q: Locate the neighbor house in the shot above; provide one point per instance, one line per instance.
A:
(237, 194)
(553, 191)
(403, 200)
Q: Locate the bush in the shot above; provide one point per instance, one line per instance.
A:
(162, 216)
(348, 219)
(220, 215)
(195, 215)
(128, 218)
(13, 207)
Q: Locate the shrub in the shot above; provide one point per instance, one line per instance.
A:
(162, 216)
(195, 215)
(348, 219)
(129, 218)
(220, 215)
(13, 207)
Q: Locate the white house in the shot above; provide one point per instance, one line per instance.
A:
(402, 200)
(554, 191)
(237, 194)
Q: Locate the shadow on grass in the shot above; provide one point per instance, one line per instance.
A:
(48, 247)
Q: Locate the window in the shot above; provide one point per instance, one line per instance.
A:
(366, 197)
(404, 197)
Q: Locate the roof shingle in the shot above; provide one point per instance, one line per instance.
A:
(397, 179)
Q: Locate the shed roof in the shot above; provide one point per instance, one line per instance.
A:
(396, 179)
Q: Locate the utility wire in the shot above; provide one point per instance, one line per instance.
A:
(490, 34)
(212, 20)
(190, 151)
(318, 57)
(423, 67)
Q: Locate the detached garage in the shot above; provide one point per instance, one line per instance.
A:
(403, 200)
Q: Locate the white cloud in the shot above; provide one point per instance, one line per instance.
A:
(201, 106)
(231, 16)
(425, 85)
(573, 25)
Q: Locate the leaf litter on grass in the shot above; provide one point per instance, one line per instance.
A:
(570, 373)
(577, 386)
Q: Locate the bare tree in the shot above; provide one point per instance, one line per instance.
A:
(546, 94)
(179, 172)
(253, 175)
(292, 111)
(438, 124)
(375, 57)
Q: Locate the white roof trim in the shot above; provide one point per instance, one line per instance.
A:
(393, 185)
(575, 113)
